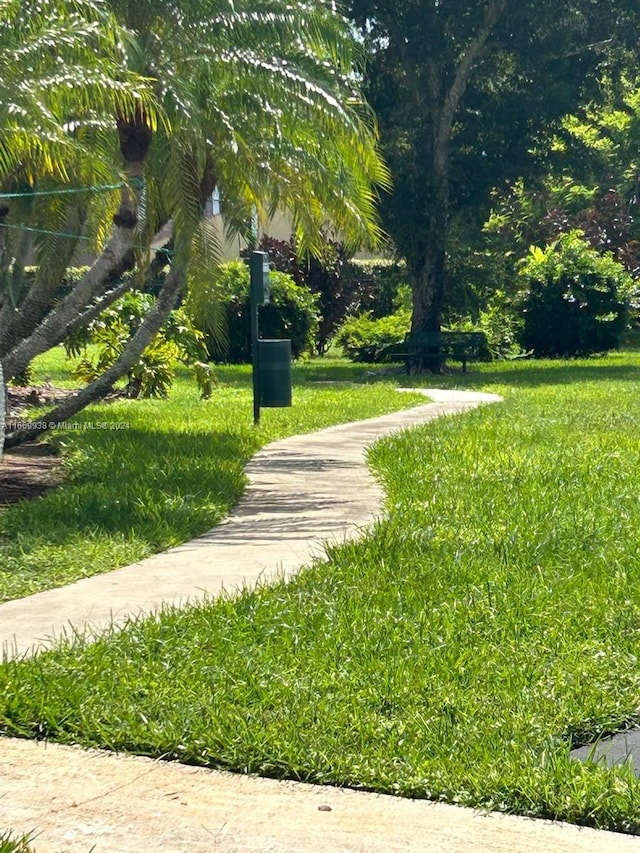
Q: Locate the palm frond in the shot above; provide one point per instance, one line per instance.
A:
(205, 305)
(61, 63)
(269, 88)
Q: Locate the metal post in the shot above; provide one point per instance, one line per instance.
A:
(255, 358)
(258, 295)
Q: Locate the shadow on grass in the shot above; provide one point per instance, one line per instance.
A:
(520, 373)
(159, 487)
(525, 373)
(313, 371)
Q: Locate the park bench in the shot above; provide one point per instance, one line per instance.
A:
(423, 349)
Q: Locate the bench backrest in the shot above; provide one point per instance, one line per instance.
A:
(472, 340)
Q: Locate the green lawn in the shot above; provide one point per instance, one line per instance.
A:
(146, 475)
(489, 623)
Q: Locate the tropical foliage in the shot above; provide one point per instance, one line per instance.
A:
(257, 99)
(62, 76)
(577, 300)
(179, 341)
(467, 97)
(292, 312)
(369, 339)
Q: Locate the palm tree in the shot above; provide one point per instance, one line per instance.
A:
(62, 75)
(264, 91)
(60, 61)
(262, 102)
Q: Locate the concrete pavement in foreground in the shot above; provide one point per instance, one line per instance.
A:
(303, 492)
(84, 800)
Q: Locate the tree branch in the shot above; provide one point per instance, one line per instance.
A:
(493, 12)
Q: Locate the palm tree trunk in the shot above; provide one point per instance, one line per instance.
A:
(135, 137)
(96, 390)
(53, 329)
(108, 298)
(18, 322)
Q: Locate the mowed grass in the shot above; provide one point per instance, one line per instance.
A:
(488, 624)
(145, 475)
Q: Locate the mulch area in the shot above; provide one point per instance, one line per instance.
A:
(30, 470)
(27, 472)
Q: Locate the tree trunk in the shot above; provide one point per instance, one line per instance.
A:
(17, 323)
(135, 137)
(96, 390)
(427, 267)
(427, 285)
(425, 253)
(53, 329)
(111, 296)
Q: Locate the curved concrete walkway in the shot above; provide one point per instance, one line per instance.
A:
(303, 491)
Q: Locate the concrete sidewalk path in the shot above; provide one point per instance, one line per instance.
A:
(303, 491)
(83, 800)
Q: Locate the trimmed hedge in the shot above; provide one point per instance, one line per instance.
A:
(365, 338)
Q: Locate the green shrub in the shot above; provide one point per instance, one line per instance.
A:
(324, 277)
(576, 301)
(153, 374)
(501, 323)
(502, 326)
(291, 313)
(343, 286)
(366, 339)
(71, 277)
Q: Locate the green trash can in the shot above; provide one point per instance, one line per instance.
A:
(274, 370)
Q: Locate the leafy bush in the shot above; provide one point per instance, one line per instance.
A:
(291, 313)
(153, 374)
(576, 301)
(367, 339)
(324, 277)
(501, 323)
(343, 287)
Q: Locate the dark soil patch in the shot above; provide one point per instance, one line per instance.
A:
(30, 470)
(27, 472)
(20, 399)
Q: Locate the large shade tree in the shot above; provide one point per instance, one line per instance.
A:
(261, 101)
(463, 91)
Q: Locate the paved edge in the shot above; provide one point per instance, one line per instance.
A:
(77, 800)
